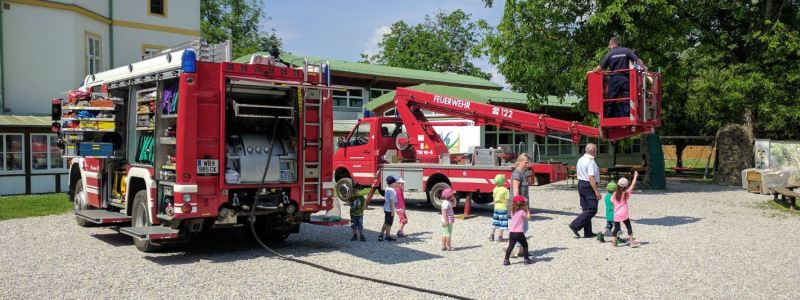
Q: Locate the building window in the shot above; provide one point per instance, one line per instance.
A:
(602, 146)
(157, 7)
(93, 53)
(45, 154)
(12, 149)
(635, 147)
(558, 144)
(508, 140)
(351, 97)
(375, 93)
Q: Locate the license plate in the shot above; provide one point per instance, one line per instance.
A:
(207, 166)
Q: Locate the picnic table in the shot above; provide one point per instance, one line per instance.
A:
(786, 192)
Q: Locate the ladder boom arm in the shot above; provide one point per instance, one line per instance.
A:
(409, 104)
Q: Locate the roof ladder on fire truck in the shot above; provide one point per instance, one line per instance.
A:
(311, 108)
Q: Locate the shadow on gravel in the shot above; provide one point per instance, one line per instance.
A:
(668, 221)
(114, 239)
(545, 251)
(222, 246)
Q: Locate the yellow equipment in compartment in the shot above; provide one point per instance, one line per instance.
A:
(98, 125)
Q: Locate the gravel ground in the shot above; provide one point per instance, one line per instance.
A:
(698, 241)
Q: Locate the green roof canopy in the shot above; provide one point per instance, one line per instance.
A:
(385, 71)
(385, 102)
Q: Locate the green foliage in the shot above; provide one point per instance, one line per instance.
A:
(12, 207)
(720, 60)
(442, 43)
(239, 21)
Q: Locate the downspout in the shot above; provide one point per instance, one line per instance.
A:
(110, 34)
(2, 68)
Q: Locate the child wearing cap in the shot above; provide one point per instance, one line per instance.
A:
(448, 197)
(620, 200)
(611, 187)
(401, 206)
(500, 216)
(516, 234)
(357, 204)
(389, 208)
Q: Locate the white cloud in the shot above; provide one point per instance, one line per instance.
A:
(377, 36)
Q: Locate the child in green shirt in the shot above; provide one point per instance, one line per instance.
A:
(500, 216)
(611, 187)
(357, 204)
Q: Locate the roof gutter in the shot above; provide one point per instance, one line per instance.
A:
(2, 68)
(111, 35)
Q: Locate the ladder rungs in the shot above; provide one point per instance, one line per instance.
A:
(312, 124)
(313, 104)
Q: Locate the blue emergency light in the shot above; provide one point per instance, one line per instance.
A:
(189, 61)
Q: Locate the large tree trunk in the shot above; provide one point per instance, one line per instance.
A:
(734, 153)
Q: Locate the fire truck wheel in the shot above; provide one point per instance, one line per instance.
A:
(139, 219)
(79, 203)
(262, 226)
(435, 192)
(344, 189)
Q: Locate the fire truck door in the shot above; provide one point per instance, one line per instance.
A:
(360, 153)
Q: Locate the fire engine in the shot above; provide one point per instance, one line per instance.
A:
(186, 141)
(409, 146)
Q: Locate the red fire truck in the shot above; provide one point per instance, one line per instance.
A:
(409, 146)
(187, 141)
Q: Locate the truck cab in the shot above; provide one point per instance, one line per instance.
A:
(364, 149)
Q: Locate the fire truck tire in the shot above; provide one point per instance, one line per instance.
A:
(79, 203)
(262, 226)
(139, 219)
(435, 192)
(482, 198)
(344, 189)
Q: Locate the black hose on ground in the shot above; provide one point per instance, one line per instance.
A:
(321, 267)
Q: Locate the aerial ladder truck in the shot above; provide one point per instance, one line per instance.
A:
(408, 145)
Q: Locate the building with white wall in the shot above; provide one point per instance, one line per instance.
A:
(48, 47)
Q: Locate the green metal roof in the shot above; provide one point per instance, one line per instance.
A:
(24, 121)
(384, 102)
(386, 71)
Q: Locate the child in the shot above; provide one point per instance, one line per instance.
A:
(500, 216)
(610, 187)
(516, 234)
(389, 208)
(620, 200)
(401, 206)
(357, 204)
(448, 218)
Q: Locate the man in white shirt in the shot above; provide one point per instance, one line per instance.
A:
(588, 178)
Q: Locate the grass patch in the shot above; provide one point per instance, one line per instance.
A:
(779, 207)
(12, 207)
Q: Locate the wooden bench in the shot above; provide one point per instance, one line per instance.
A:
(785, 192)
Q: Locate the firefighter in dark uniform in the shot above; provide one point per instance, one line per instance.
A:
(618, 58)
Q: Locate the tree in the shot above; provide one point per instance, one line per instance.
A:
(442, 43)
(723, 61)
(237, 20)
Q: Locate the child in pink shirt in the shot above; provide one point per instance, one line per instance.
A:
(516, 228)
(401, 208)
(620, 200)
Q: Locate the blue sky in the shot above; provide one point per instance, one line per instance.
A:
(343, 29)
